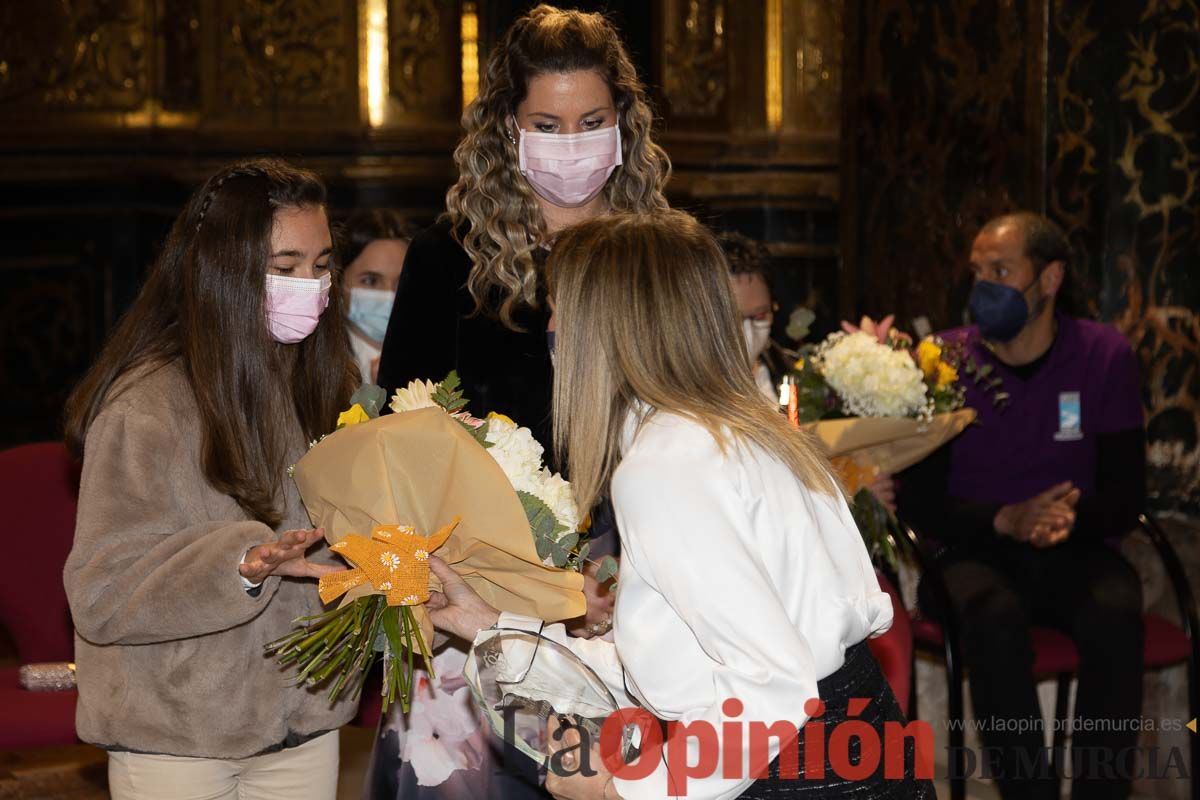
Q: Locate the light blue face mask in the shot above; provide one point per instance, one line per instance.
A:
(370, 310)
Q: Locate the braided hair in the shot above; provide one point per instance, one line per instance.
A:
(202, 308)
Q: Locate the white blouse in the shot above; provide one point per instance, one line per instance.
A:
(736, 581)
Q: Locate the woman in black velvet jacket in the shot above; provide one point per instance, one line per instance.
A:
(435, 328)
(559, 133)
(471, 295)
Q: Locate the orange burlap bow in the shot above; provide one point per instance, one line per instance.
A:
(853, 475)
(395, 561)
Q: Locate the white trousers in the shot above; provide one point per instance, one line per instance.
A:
(307, 772)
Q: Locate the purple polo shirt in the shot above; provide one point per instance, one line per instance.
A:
(1047, 432)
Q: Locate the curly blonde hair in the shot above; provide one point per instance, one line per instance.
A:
(493, 211)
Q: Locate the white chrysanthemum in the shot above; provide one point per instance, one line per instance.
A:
(418, 394)
(873, 379)
(516, 451)
(555, 492)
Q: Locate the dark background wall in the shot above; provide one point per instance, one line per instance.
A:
(114, 110)
(1124, 163)
(864, 140)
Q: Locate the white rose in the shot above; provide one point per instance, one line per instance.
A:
(516, 451)
(556, 493)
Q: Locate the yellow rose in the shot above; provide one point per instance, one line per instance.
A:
(946, 375)
(352, 416)
(929, 358)
(501, 417)
(799, 365)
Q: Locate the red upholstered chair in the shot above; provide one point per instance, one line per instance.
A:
(1166, 644)
(894, 649)
(38, 489)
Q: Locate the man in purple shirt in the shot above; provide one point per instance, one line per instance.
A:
(1024, 501)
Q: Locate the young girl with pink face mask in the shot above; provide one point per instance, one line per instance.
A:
(559, 134)
(233, 357)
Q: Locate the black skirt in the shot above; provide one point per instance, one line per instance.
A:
(859, 677)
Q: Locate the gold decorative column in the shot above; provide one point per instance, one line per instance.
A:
(752, 84)
(751, 119)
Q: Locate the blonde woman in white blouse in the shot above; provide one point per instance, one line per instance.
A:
(743, 575)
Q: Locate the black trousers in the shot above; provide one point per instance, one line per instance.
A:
(859, 678)
(999, 588)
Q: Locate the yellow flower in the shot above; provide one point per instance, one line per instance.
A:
(946, 375)
(501, 417)
(929, 358)
(799, 365)
(352, 416)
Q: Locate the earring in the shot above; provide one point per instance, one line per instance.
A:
(508, 133)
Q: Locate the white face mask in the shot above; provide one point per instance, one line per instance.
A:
(370, 310)
(758, 334)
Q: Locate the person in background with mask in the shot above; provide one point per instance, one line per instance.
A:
(374, 243)
(1025, 499)
(560, 133)
(750, 272)
(748, 262)
(190, 537)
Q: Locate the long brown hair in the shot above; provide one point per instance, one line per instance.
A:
(368, 225)
(645, 313)
(492, 208)
(203, 307)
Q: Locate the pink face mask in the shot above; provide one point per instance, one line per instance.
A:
(569, 169)
(294, 306)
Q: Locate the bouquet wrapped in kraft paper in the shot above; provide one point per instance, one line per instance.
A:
(862, 448)
(888, 444)
(390, 492)
(878, 405)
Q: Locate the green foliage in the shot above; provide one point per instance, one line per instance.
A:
(547, 531)
(478, 434)
(982, 376)
(563, 548)
(448, 394)
(815, 399)
(339, 647)
(948, 398)
(371, 398)
(875, 524)
(607, 570)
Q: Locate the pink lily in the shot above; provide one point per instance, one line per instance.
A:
(879, 330)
